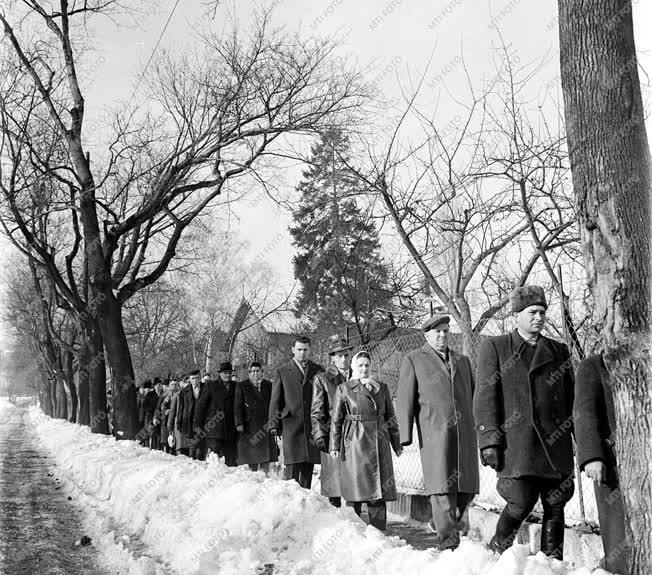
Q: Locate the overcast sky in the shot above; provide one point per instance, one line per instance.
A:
(395, 37)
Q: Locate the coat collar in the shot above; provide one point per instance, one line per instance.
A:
(357, 387)
(544, 352)
(453, 358)
(333, 373)
(311, 369)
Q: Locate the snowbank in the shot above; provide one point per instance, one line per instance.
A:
(202, 518)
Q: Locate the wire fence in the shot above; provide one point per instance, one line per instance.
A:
(387, 355)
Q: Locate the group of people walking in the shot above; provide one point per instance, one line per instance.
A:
(517, 413)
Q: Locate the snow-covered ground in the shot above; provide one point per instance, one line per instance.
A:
(204, 518)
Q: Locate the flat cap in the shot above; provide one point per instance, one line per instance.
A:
(525, 296)
(434, 321)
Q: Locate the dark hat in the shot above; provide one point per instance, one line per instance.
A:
(339, 345)
(525, 296)
(225, 366)
(147, 384)
(434, 321)
(157, 380)
(194, 372)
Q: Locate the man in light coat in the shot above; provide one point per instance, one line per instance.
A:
(523, 412)
(289, 413)
(436, 390)
(323, 402)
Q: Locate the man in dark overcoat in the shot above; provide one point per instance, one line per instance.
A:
(289, 413)
(523, 414)
(188, 400)
(148, 409)
(595, 428)
(324, 386)
(214, 415)
(256, 447)
(436, 390)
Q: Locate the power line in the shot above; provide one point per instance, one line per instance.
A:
(151, 56)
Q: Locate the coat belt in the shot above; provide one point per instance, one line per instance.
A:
(355, 417)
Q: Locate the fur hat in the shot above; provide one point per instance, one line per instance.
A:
(147, 384)
(525, 296)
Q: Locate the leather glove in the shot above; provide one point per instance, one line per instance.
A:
(321, 444)
(493, 457)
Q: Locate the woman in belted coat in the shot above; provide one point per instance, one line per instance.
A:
(363, 432)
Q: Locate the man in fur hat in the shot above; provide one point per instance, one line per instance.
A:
(435, 391)
(523, 414)
(324, 385)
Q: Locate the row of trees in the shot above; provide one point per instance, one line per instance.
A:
(108, 220)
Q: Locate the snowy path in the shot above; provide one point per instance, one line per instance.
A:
(38, 524)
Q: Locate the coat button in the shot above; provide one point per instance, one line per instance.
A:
(555, 397)
(481, 428)
(557, 420)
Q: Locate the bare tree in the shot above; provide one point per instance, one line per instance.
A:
(213, 119)
(610, 163)
(462, 222)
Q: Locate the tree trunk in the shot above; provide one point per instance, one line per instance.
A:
(68, 374)
(83, 361)
(123, 389)
(61, 410)
(97, 379)
(610, 162)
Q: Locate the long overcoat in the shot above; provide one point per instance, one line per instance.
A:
(255, 444)
(186, 411)
(324, 386)
(526, 410)
(440, 399)
(364, 430)
(595, 424)
(289, 411)
(594, 415)
(174, 422)
(214, 411)
(148, 410)
(162, 412)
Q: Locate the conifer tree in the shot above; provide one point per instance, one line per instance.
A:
(338, 263)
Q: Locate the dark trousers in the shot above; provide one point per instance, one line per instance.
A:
(611, 514)
(300, 472)
(447, 510)
(260, 467)
(335, 501)
(377, 511)
(522, 494)
(224, 448)
(197, 449)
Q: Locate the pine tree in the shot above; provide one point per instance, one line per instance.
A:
(342, 275)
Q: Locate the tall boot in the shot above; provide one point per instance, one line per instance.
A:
(552, 538)
(506, 531)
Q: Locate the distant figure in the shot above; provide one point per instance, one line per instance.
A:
(148, 407)
(324, 385)
(595, 428)
(523, 413)
(176, 436)
(363, 432)
(436, 390)
(289, 413)
(256, 447)
(214, 415)
(188, 400)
